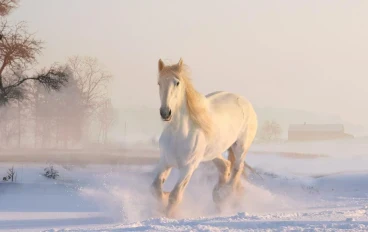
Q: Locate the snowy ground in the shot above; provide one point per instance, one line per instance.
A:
(327, 193)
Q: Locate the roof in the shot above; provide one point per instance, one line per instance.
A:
(317, 127)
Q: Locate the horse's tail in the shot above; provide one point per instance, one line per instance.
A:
(251, 169)
(231, 158)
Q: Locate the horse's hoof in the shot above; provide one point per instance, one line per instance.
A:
(219, 208)
(165, 198)
(239, 190)
(220, 193)
(171, 214)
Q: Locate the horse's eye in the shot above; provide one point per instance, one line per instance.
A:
(177, 83)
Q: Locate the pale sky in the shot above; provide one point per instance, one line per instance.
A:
(306, 54)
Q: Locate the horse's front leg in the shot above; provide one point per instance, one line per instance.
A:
(163, 172)
(176, 195)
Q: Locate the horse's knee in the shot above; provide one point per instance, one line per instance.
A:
(226, 174)
(238, 165)
(222, 164)
(224, 168)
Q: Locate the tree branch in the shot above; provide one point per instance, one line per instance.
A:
(6, 6)
(52, 79)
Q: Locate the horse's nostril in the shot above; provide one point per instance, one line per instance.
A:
(165, 112)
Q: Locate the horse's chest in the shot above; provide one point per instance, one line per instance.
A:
(179, 149)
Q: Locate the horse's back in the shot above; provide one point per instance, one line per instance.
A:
(233, 107)
(216, 93)
(227, 99)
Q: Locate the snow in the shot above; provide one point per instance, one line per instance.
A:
(323, 193)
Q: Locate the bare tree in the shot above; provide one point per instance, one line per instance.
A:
(92, 80)
(18, 52)
(58, 115)
(69, 114)
(8, 124)
(270, 131)
(106, 117)
(6, 6)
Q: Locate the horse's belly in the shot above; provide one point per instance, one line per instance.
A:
(211, 154)
(216, 149)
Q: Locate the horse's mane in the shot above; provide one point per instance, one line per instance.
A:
(197, 107)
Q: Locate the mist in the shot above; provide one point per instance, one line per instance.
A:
(305, 55)
(80, 111)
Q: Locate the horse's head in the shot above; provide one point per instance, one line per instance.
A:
(171, 88)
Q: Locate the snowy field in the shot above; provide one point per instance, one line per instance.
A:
(323, 193)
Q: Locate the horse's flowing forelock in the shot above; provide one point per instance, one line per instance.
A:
(196, 105)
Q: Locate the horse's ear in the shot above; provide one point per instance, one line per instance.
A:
(161, 65)
(180, 63)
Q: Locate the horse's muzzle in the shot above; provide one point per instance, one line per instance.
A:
(165, 113)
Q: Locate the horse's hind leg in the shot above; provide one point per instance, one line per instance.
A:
(224, 168)
(240, 149)
(237, 170)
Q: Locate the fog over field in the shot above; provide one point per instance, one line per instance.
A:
(82, 110)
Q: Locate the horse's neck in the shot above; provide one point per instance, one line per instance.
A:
(181, 120)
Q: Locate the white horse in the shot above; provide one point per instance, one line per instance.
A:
(200, 128)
